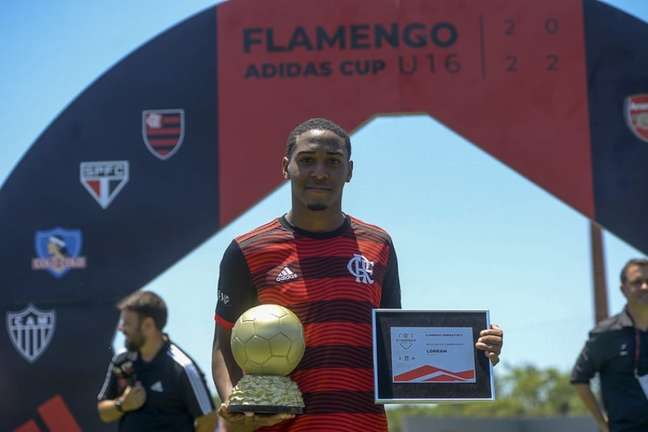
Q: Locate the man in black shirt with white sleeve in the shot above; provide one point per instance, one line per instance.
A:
(617, 349)
(154, 386)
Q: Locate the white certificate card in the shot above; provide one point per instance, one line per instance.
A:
(432, 355)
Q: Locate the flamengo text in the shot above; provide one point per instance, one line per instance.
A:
(353, 37)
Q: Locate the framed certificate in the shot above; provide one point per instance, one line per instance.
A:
(430, 356)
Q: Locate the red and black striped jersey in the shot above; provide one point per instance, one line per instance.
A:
(331, 281)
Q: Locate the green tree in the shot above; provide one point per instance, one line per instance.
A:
(524, 391)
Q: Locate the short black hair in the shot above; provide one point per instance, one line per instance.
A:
(146, 304)
(641, 262)
(317, 123)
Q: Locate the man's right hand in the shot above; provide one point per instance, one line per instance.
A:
(133, 397)
(248, 422)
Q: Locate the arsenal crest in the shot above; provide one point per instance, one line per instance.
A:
(58, 251)
(31, 331)
(636, 112)
(104, 180)
(163, 131)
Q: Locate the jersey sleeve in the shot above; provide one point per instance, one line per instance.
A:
(391, 294)
(236, 291)
(109, 388)
(588, 362)
(195, 393)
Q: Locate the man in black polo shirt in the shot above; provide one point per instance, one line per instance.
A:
(154, 386)
(617, 349)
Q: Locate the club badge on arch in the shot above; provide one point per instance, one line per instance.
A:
(104, 180)
(31, 330)
(58, 251)
(163, 131)
(636, 113)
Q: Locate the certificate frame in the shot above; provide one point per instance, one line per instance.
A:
(388, 392)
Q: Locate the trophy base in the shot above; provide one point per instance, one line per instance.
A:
(265, 409)
(266, 394)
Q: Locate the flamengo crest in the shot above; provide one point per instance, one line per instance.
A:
(636, 113)
(361, 268)
(31, 331)
(163, 131)
(104, 180)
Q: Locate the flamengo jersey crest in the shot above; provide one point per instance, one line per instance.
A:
(58, 251)
(636, 113)
(31, 331)
(104, 180)
(163, 131)
(361, 268)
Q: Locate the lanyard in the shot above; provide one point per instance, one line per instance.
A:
(637, 351)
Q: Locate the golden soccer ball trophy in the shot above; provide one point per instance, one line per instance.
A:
(267, 344)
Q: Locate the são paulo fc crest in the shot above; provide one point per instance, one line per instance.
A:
(163, 131)
(104, 180)
(636, 113)
(31, 331)
(58, 251)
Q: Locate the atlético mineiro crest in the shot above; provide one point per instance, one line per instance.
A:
(636, 113)
(58, 251)
(163, 131)
(104, 180)
(31, 331)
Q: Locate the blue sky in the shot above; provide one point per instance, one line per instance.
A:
(470, 233)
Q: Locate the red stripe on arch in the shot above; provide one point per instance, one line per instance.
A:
(29, 426)
(57, 416)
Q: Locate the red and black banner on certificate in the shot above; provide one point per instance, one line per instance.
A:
(185, 134)
(430, 356)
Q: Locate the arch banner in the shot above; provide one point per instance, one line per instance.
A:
(173, 143)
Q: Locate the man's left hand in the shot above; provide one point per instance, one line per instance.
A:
(490, 341)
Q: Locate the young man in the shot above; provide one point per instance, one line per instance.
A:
(154, 386)
(329, 268)
(617, 349)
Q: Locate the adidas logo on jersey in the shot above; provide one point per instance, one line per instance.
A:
(286, 274)
(157, 387)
